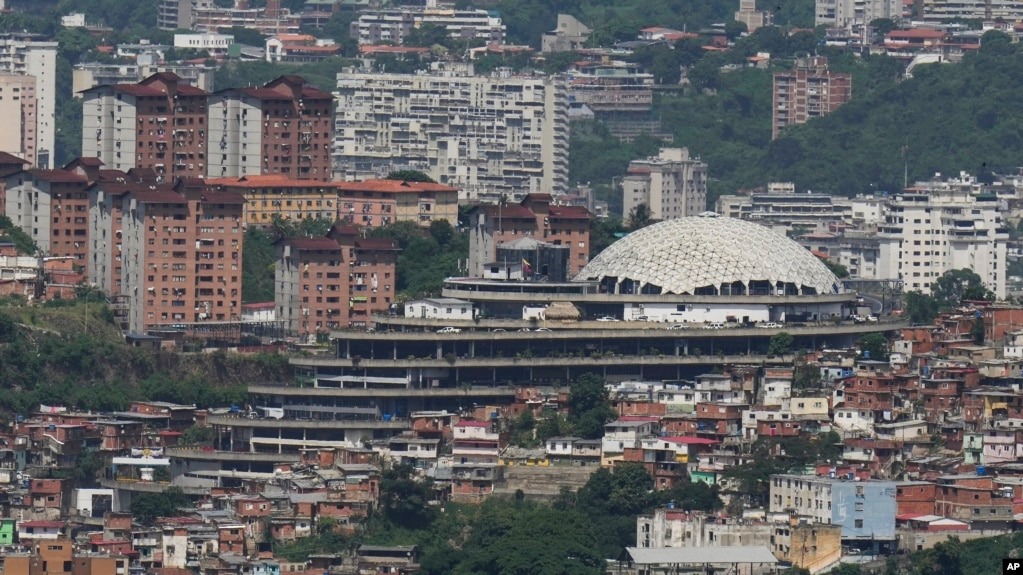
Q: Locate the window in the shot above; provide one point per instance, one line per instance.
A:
(858, 524)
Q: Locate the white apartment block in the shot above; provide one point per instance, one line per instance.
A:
(486, 135)
(218, 43)
(395, 25)
(934, 227)
(848, 13)
(939, 11)
(91, 74)
(672, 184)
(26, 55)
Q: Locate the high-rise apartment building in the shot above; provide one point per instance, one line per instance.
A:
(536, 217)
(9, 164)
(181, 255)
(19, 109)
(374, 27)
(284, 128)
(807, 91)
(51, 206)
(333, 282)
(159, 123)
(671, 184)
(486, 135)
(28, 55)
(847, 13)
(934, 227)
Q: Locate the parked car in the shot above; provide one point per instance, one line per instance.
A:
(872, 318)
(524, 329)
(858, 318)
(714, 325)
(679, 326)
(607, 318)
(449, 330)
(642, 318)
(542, 329)
(769, 325)
(498, 330)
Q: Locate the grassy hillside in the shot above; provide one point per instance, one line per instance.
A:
(70, 353)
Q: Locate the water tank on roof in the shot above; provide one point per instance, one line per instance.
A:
(981, 470)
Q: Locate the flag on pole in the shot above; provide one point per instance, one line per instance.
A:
(526, 268)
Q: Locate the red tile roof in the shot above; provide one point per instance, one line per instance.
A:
(569, 213)
(57, 176)
(224, 197)
(6, 158)
(159, 197)
(690, 440)
(511, 212)
(266, 181)
(313, 244)
(376, 244)
(44, 524)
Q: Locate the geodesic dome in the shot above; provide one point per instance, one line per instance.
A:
(709, 255)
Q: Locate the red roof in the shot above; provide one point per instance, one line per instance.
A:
(569, 212)
(467, 423)
(313, 244)
(57, 176)
(259, 305)
(6, 158)
(377, 244)
(43, 524)
(160, 197)
(511, 212)
(266, 181)
(915, 33)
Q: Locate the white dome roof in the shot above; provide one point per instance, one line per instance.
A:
(680, 256)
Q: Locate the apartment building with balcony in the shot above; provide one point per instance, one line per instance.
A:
(936, 226)
(376, 203)
(19, 108)
(333, 282)
(536, 217)
(392, 26)
(86, 75)
(486, 135)
(52, 206)
(809, 90)
(284, 128)
(672, 185)
(274, 195)
(158, 123)
(24, 54)
(849, 13)
(181, 254)
(864, 509)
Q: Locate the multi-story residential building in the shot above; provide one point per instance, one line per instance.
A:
(181, 252)
(88, 75)
(475, 465)
(569, 35)
(9, 164)
(864, 509)
(809, 90)
(333, 282)
(486, 135)
(750, 16)
(18, 107)
(938, 11)
(620, 95)
(269, 196)
(174, 14)
(848, 13)
(672, 185)
(283, 128)
(393, 26)
(858, 252)
(206, 16)
(158, 123)
(933, 227)
(785, 210)
(29, 55)
(215, 44)
(106, 201)
(51, 206)
(535, 217)
(380, 202)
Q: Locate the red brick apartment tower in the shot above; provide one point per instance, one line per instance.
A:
(807, 91)
(158, 123)
(333, 282)
(285, 128)
(182, 255)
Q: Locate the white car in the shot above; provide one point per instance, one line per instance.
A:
(769, 325)
(607, 318)
(542, 329)
(679, 326)
(449, 330)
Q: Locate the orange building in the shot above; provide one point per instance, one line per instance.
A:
(285, 128)
(158, 123)
(57, 557)
(333, 282)
(181, 250)
(290, 199)
(381, 202)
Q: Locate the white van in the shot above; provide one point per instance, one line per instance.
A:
(715, 325)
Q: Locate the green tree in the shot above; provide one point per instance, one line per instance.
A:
(147, 507)
(590, 406)
(640, 217)
(920, 308)
(410, 176)
(428, 35)
(197, 435)
(954, 286)
(977, 331)
(405, 501)
(874, 346)
(836, 268)
(780, 343)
